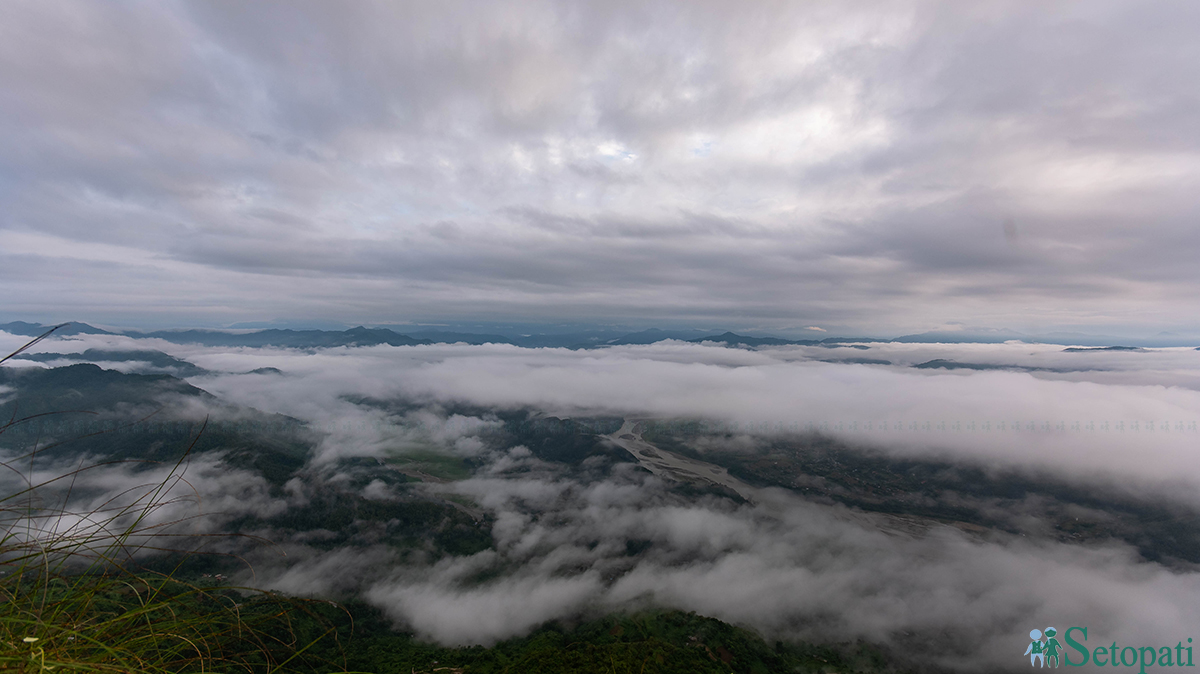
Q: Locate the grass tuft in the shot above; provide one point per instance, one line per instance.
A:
(75, 597)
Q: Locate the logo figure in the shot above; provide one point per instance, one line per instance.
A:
(1035, 648)
(1052, 646)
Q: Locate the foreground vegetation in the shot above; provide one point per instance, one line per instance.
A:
(118, 622)
(74, 596)
(659, 642)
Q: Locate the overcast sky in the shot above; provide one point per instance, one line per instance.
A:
(883, 167)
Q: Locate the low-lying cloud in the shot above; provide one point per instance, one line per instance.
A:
(1125, 425)
(605, 535)
(788, 568)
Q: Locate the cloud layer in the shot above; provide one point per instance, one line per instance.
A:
(604, 535)
(1105, 415)
(786, 568)
(1126, 417)
(871, 166)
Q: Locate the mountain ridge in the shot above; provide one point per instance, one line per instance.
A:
(599, 338)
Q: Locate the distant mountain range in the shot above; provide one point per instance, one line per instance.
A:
(154, 361)
(35, 329)
(364, 336)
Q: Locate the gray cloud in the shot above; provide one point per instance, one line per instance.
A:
(774, 164)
